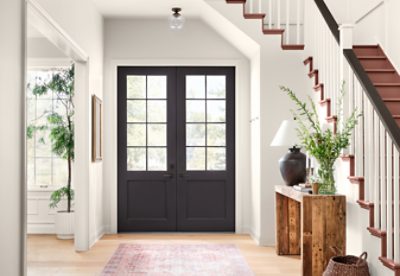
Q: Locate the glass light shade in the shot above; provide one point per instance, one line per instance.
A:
(286, 135)
(176, 21)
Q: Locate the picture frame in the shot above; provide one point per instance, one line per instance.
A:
(97, 129)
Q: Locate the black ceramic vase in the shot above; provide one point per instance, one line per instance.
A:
(293, 167)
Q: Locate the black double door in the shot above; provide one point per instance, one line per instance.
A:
(176, 155)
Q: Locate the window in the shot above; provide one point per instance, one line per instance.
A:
(146, 123)
(44, 169)
(205, 123)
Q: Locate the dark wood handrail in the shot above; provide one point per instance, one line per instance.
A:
(381, 109)
(329, 19)
(376, 100)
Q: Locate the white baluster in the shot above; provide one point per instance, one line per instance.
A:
(370, 148)
(367, 136)
(259, 6)
(382, 152)
(298, 7)
(396, 205)
(270, 14)
(389, 202)
(350, 94)
(357, 138)
(287, 31)
(376, 170)
(251, 6)
(278, 21)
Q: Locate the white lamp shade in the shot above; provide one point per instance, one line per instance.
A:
(286, 135)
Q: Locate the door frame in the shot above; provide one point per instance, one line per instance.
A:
(242, 125)
(39, 17)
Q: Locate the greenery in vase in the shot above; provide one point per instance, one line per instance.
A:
(323, 144)
(60, 126)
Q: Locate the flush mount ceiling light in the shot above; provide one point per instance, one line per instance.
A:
(176, 20)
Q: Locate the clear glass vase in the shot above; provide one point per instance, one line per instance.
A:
(327, 178)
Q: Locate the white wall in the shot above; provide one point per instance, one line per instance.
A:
(150, 42)
(84, 25)
(41, 48)
(270, 68)
(12, 51)
(380, 25)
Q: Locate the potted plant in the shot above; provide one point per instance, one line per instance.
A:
(60, 125)
(324, 145)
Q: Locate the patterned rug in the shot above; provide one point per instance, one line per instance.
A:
(172, 259)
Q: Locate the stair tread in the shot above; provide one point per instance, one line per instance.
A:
(365, 46)
(273, 31)
(235, 1)
(391, 99)
(372, 57)
(380, 70)
(254, 15)
(293, 46)
(313, 72)
(307, 60)
(387, 84)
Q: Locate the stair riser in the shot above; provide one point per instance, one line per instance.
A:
(368, 51)
(389, 92)
(394, 107)
(376, 64)
(384, 77)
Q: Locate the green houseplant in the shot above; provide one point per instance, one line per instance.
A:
(323, 144)
(60, 125)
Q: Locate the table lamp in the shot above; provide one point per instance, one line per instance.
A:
(293, 164)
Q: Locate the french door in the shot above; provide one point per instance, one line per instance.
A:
(176, 149)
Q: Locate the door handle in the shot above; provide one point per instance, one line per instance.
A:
(168, 175)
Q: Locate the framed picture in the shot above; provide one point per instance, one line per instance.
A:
(97, 129)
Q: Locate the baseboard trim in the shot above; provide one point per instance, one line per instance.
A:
(97, 236)
(41, 228)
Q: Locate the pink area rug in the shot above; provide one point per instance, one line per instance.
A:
(172, 259)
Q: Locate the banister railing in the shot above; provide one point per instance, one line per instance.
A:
(376, 140)
(387, 119)
(329, 19)
(281, 14)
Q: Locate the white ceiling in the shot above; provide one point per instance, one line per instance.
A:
(148, 8)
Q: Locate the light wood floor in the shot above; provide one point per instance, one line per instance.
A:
(49, 256)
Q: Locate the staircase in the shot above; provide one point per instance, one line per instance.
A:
(372, 85)
(267, 28)
(383, 76)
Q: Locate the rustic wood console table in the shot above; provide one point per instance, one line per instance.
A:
(309, 225)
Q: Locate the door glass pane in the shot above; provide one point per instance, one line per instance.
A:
(195, 111)
(216, 111)
(157, 135)
(136, 135)
(195, 87)
(216, 159)
(195, 134)
(157, 87)
(136, 159)
(195, 159)
(157, 159)
(157, 111)
(136, 87)
(216, 135)
(136, 111)
(216, 87)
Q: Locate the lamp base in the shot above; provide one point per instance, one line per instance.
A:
(293, 167)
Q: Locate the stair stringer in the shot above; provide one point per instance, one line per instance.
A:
(376, 235)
